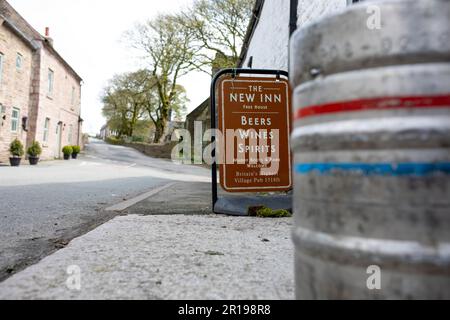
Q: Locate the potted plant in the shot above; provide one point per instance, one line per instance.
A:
(67, 150)
(34, 151)
(16, 150)
(76, 150)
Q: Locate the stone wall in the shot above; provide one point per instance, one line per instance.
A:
(28, 89)
(201, 114)
(270, 42)
(14, 88)
(163, 151)
(57, 106)
(310, 11)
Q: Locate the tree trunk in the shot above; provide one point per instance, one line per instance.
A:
(131, 132)
(159, 132)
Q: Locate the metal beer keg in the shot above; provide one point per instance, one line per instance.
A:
(372, 154)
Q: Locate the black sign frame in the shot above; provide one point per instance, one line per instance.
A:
(238, 206)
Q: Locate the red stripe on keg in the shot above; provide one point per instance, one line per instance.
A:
(375, 104)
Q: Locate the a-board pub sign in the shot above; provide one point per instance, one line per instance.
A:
(255, 122)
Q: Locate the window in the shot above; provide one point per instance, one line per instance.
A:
(70, 134)
(46, 129)
(51, 79)
(15, 119)
(1, 66)
(19, 60)
(73, 96)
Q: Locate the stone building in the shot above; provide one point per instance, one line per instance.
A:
(202, 114)
(16, 55)
(105, 132)
(40, 93)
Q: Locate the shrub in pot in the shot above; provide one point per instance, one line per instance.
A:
(17, 151)
(34, 151)
(76, 150)
(67, 151)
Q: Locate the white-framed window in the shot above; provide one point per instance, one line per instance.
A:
(2, 57)
(46, 129)
(51, 80)
(73, 96)
(19, 61)
(15, 119)
(69, 139)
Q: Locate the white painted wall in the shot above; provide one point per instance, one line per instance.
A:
(269, 45)
(311, 10)
(270, 42)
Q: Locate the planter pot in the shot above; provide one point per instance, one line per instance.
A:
(15, 162)
(74, 155)
(67, 157)
(33, 160)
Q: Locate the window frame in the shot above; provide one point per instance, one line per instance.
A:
(15, 120)
(73, 96)
(19, 61)
(51, 82)
(46, 129)
(69, 138)
(2, 58)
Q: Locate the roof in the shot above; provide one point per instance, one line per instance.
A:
(29, 42)
(28, 33)
(197, 111)
(194, 114)
(61, 59)
(257, 9)
(18, 21)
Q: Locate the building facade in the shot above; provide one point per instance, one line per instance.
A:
(16, 55)
(201, 115)
(267, 42)
(40, 93)
(266, 45)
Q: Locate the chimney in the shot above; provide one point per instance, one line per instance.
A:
(47, 36)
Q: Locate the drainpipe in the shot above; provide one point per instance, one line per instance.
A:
(293, 17)
(80, 122)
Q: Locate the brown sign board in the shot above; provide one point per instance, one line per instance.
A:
(255, 122)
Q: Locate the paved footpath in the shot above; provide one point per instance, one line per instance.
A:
(44, 207)
(156, 250)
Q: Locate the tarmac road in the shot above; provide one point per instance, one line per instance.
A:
(44, 207)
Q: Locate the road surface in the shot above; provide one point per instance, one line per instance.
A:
(46, 206)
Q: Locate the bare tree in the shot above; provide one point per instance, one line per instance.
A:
(121, 105)
(147, 87)
(167, 48)
(219, 28)
(134, 96)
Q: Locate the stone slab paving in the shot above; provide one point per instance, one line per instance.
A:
(167, 257)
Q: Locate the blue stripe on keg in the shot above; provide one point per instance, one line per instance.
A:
(383, 169)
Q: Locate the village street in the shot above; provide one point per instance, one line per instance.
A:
(161, 242)
(44, 206)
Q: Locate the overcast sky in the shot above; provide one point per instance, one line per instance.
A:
(89, 35)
